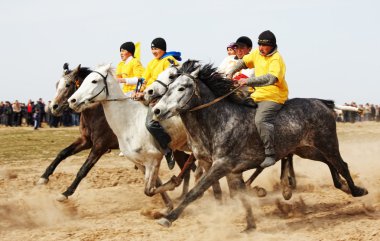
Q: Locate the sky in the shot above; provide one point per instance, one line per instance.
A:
(330, 47)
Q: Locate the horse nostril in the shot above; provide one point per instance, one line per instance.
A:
(73, 100)
(55, 107)
(150, 92)
(156, 111)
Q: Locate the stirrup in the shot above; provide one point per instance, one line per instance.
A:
(268, 161)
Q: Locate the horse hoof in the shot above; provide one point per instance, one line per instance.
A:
(42, 181)
(260, 192)
(62, 198)
(287, 193)
(164, 222)
(249, 229)
(360, 192)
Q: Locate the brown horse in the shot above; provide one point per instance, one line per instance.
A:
(95, 133)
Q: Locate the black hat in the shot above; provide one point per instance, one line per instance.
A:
(159, 43)
(244, 40)
(267, 38)
(129, 46)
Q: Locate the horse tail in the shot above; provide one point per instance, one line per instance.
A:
(329, 103)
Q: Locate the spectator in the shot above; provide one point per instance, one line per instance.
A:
(16, 107)
(37, 119)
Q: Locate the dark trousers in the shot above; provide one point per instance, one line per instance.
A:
(157, 131)
(265, 115)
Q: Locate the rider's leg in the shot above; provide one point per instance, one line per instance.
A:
(264, 120)
(163, 139)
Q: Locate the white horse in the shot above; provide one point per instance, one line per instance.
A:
(126, 118)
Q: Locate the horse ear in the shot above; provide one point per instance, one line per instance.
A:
(66, 68)
(76, 70)
(108, 67)
(196, 72)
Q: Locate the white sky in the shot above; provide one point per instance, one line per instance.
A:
(330, 47)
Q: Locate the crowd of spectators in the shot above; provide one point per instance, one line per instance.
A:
(34, 114)
(367, 112)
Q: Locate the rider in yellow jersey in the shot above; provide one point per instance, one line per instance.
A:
(158, 64)
(271, 89)
(130, 69)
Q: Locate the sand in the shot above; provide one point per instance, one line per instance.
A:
(110, 203)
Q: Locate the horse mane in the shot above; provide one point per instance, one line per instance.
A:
(214, 80)
(83, 72)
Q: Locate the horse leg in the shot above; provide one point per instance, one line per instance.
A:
(254, 176)
(337, 162)
(287, 176)
(185, 164)
(77, 146)
(165, 197)
(313, 153)
(330, 155)
(96, 152)
(338, 181)
(237, 186)
(217, 171)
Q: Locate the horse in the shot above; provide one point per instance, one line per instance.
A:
(126, 118)
(159, 87)
(95, 133)
(223, 134)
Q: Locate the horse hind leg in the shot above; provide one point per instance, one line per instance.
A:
(343, 170)
(332, 155)
(313, 153)
(237, 187)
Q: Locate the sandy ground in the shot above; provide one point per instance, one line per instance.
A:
(110, 204)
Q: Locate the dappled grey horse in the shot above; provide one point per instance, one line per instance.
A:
(159, 87)
(224, 135)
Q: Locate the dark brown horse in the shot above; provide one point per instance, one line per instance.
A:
(95, 133)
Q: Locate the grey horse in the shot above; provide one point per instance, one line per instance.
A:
(224, 135)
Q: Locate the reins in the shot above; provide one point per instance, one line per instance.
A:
(199, 107)
(215, 100)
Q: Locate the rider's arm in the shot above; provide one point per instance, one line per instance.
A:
(264, 80)
(131, 81)
(238, 66)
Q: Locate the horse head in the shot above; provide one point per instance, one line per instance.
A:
(98, 86)
(182, 92)
(65, 87)
(159, 87)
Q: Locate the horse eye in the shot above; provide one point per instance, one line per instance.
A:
(94, 81)
(181, 89)
(67, 85)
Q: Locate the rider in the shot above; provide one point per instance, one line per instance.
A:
(231, 49)
(271, 89)
(242, 47)
(130, 69)
(158, 64)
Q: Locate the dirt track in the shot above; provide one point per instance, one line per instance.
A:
(110, 204)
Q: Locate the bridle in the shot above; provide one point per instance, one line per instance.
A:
(104, 88)
(104, 78)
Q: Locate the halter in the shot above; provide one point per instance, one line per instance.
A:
(163, 84)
